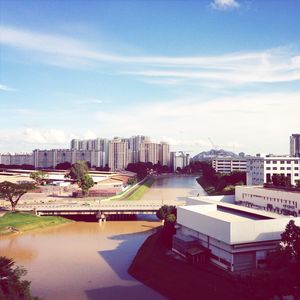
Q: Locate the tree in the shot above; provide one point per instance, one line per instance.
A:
(63, 166)
(79, 173)
(11, 284)
(166, 210)
(85, 183)
(12, 192)
(290, 241)
(39, 177)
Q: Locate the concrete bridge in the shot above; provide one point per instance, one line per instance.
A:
(99, 209)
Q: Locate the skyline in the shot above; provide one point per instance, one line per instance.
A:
(225, 70)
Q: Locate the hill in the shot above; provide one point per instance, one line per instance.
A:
(207, 155)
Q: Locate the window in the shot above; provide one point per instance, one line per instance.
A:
(274, 168)
(296, 168)
(282, 161)
(281, 168)
(267, 161)
(296, 174)
(274, 161)
(288, 168)
(268, 168)
(288, 162)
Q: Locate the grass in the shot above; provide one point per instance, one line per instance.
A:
(16, 221)
(141, 190)
(177, 279)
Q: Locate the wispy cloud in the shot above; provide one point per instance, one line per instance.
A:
(224, 4)
(6, 88)
(268, 66)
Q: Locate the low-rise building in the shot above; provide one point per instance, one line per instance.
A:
(226, 165)
(237, 238)
(282, 201)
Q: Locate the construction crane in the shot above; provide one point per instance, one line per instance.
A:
(213, 145)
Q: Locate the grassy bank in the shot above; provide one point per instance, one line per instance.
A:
(178, 280)
(13, 222)
(141, 190)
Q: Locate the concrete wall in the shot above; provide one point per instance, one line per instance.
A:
(218, 229)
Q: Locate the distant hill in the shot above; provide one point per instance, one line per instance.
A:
(207, 155)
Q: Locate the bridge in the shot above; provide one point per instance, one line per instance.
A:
(98, 209)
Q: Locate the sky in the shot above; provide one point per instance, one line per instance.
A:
(197, 74)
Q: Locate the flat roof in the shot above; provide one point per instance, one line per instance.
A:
(260, 187)
(254, 214)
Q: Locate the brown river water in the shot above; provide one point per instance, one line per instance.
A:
(88, 260)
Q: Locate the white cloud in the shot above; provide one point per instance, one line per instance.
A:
(224, 4)
(271, 65)
(45, 137)
(259, 121)
(5, 88)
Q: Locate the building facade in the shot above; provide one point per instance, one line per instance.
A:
(179, 160)
(271, 199)
(260, 168)
(295, 145)
(51, 158)
(18, 159)
(238, 239)
(117, 154)
(227, 165)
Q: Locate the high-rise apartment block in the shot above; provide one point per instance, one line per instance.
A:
(179, 160)
(116, 153)
(295, 145)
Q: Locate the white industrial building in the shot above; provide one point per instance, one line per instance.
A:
(238, 238)
(226, 165)
(271, 199)
(261, 168)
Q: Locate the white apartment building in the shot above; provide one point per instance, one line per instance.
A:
(16, 159)
(179, 160)
(260, 168)
(164, 154)
(117, 154)
(149, 152)
(134, 148)
(238, 238)
(51, 158)
(271, 199)
(227, 165)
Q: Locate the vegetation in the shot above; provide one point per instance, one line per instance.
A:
(12, 192)
(132, 181)
(142, 169)
(63, 166)
(141, 190)
(39, 177)
(176, 279)
(16, 222)
(281, 180)
(79, 173)
(219, 184)
(282, 275)
(12, 286)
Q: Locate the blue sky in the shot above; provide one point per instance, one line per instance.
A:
(180, 71)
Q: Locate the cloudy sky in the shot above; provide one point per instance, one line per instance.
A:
(182, 71)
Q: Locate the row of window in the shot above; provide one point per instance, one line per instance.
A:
(282, 168)
(282, 161)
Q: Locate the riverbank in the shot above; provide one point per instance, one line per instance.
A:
(141, 190)
(155, 266)
(17, 222)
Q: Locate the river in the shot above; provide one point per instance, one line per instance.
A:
(87, 260)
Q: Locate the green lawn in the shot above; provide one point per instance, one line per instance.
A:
(26, 221)
(141, 190)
